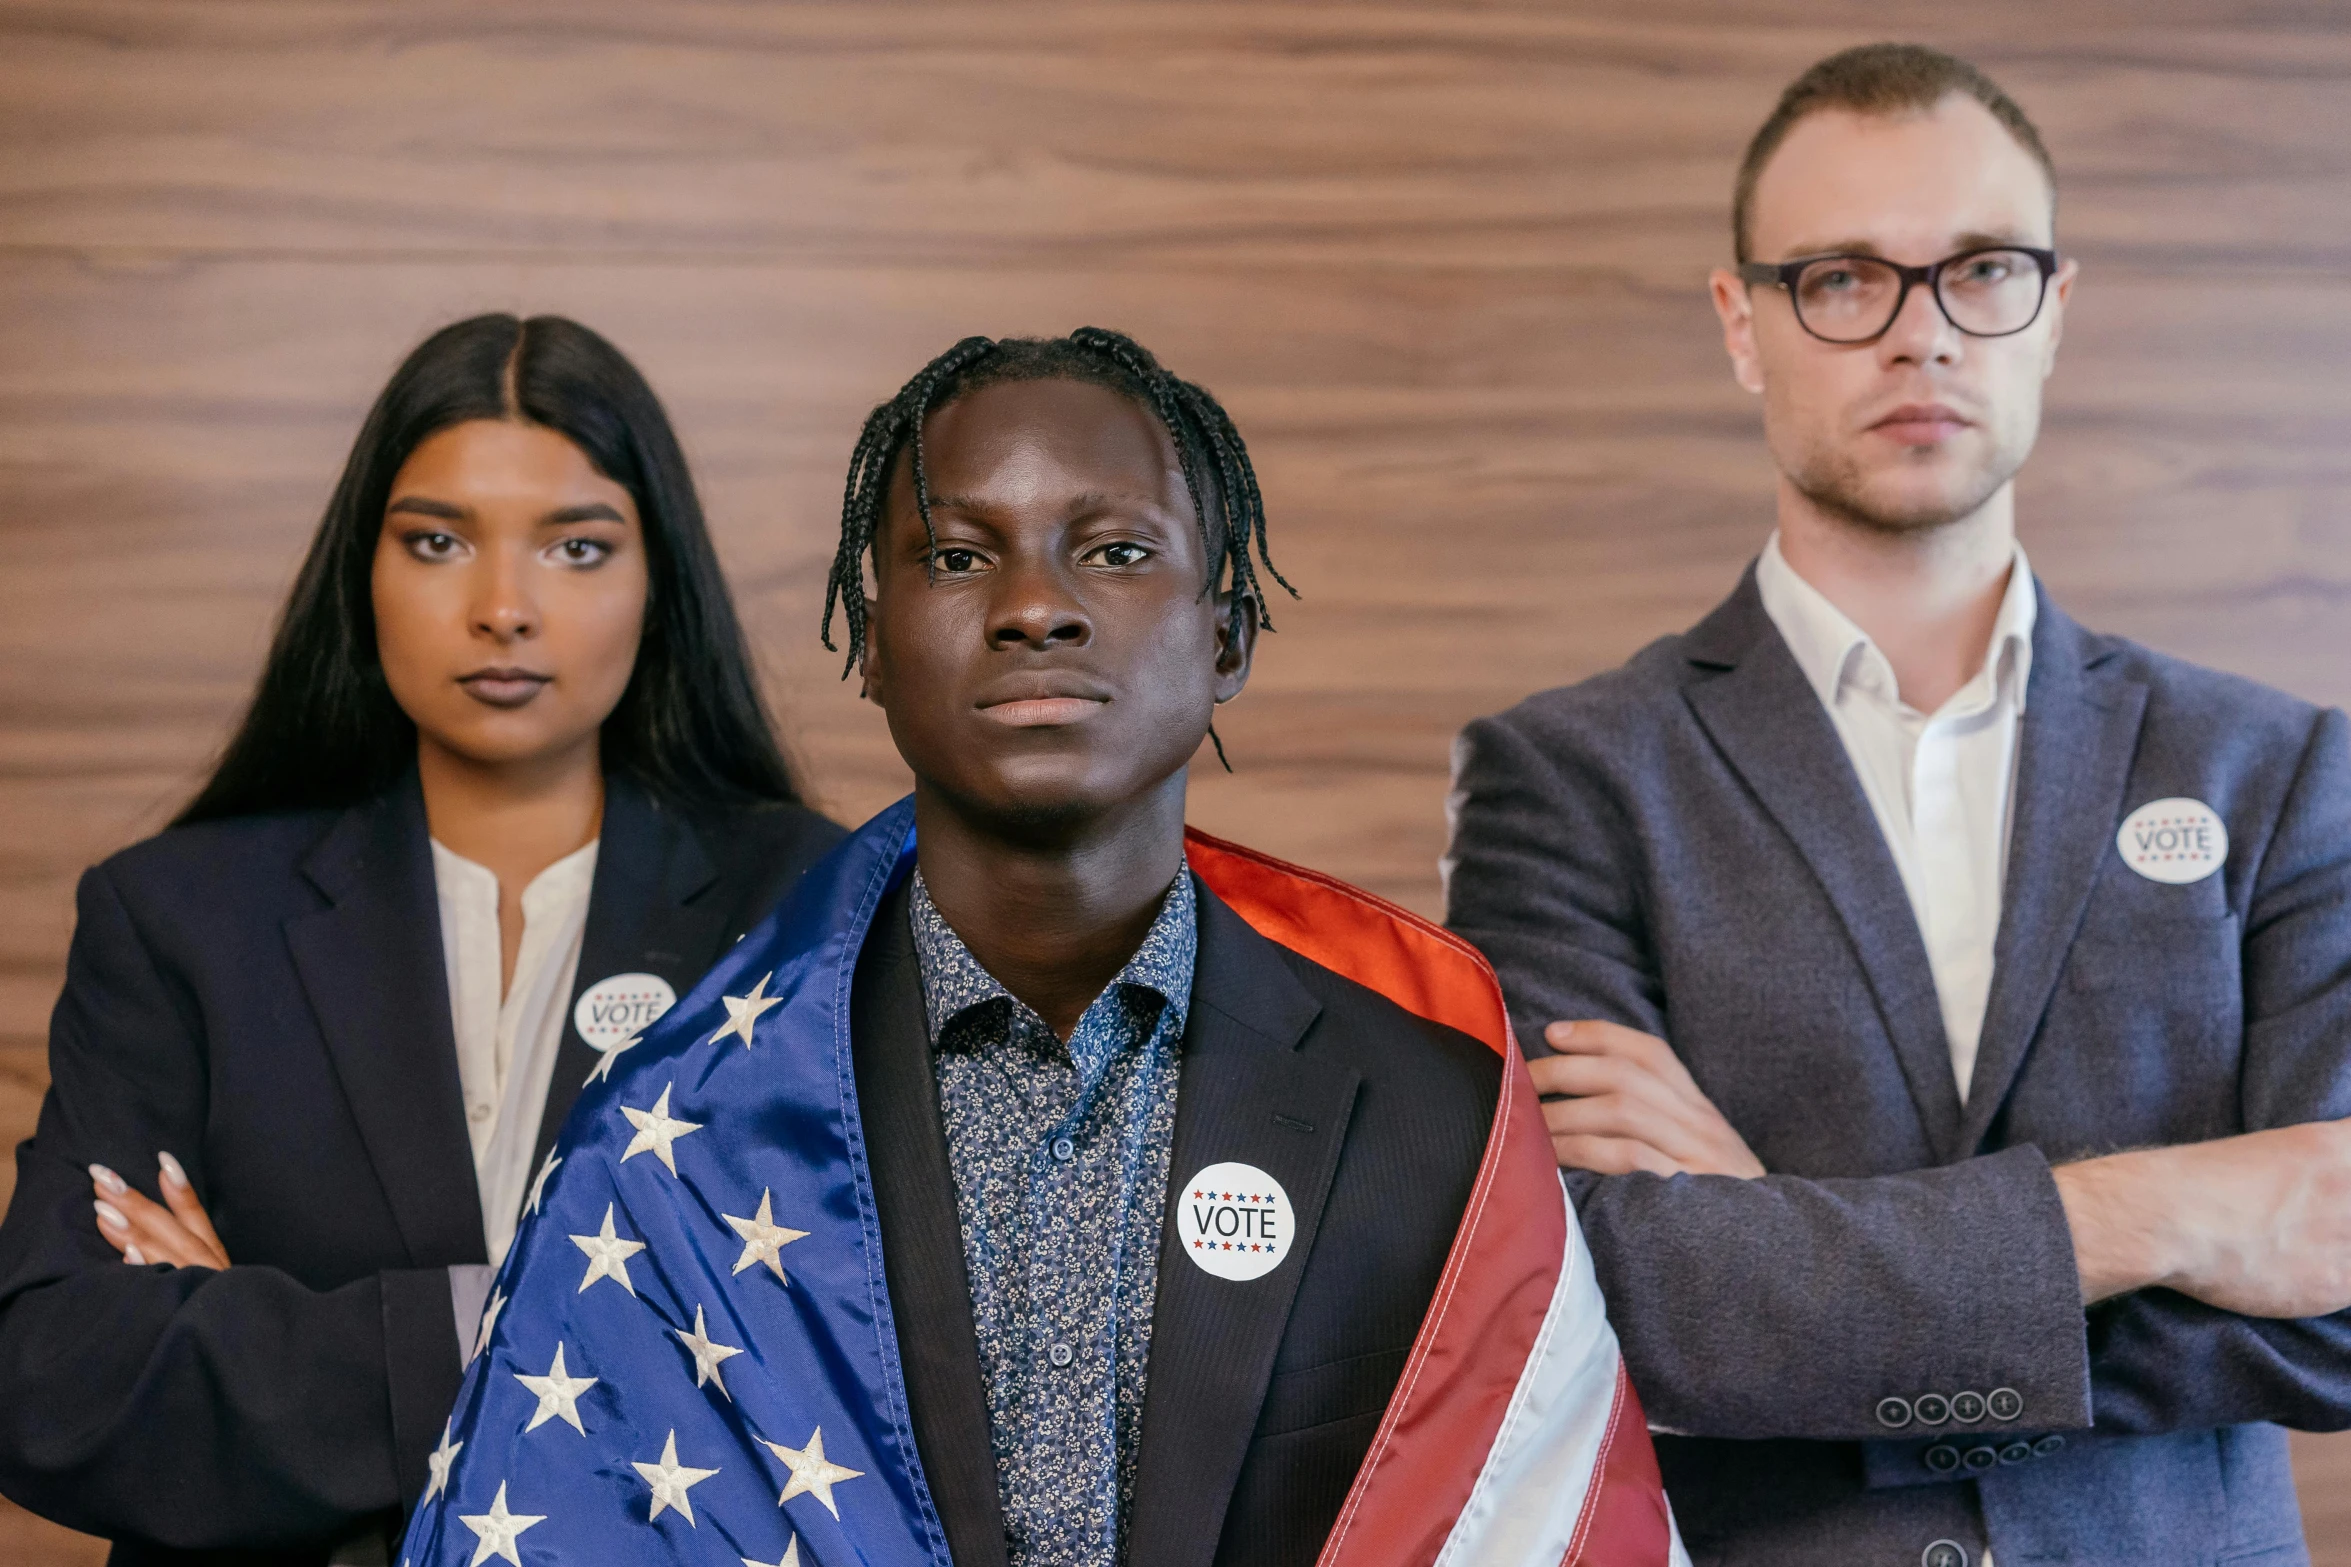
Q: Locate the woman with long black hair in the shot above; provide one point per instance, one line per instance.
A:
(505, 789)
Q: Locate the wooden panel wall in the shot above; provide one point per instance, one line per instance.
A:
(1444, 262)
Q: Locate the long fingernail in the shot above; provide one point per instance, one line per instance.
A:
(108, 1182)
(135, 1257)
(110, 1215)
(171, 1170)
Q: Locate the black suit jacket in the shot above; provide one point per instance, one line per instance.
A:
(264, 997)
(1263, 1396)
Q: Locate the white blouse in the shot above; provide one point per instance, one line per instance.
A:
(506, 1044)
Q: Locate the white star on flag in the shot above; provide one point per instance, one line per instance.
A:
(708, 1357)
(437, 1463)
(656, 1130)
(559, 1394)
(539, 1182)
(608, 1256)
(812, 1473)
(791, 1557)
(495, 1530)
(481, 1337)
(603, 1067)
(670, 1481)
(744, 1011)
(762, 1237)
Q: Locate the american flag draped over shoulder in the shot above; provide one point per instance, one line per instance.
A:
(690, 1354)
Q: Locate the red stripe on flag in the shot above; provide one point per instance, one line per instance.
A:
(1624, 1517)
(1498, 1281)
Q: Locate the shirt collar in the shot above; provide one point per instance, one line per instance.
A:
(1835, 654)
(954, 982)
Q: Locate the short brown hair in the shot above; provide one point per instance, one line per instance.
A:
(1880, 79)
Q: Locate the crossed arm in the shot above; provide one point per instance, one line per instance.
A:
(2210, 1272)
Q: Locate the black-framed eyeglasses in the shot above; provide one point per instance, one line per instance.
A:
(1990, 291)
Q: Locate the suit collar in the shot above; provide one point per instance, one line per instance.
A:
(649, 912)
(2081, 729)
(922, 1243)
(1770, 726)
(1249, 1094)
(371, 965)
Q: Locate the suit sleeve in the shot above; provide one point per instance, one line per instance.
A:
(187, 1407)
(2164, 1362)
(1959, 1276)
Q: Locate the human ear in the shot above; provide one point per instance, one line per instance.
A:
(1736, 307)
(2060, 295)
(1234, 646)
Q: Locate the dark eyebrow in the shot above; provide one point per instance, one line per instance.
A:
(422, 506)
(593, 511)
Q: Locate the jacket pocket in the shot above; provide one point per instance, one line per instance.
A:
(1335, 1390)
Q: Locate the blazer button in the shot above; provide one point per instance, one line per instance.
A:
(1967, 1408)
(1893, 1413)
(2052, 1443)
(2005, 1404)
(1979, 1459)
(1943, 1553)
(1942, 1458)
(2016, 1452)
(1932, 1409)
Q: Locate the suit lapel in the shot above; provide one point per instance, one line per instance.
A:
(1769, 724)
(2080, 731)
(922, 1239)
(1247, 1095)
(372, 967)
(646, 915)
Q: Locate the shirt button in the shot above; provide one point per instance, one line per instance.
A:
(1064, 1149)
(478, 1114)
(1061, 1354)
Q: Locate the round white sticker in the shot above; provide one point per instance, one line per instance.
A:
(1234, 1221)
(2177, 840)
(621, 1007)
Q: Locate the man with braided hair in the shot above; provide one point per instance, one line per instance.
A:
(1044, 1185)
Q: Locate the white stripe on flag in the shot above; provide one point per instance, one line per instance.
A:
(1530, 1495)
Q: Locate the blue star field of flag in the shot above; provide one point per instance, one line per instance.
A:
(689, 1353)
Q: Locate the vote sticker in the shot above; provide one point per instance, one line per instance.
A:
(621, 1007)
(1234, 1221)
(2176, 841)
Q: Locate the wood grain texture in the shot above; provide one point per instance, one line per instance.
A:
(1444, 262)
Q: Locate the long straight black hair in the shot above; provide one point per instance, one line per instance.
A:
(324, 730)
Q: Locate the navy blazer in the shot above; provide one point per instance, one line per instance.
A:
(1263, 1395)
(1682, 846)
(265, 998)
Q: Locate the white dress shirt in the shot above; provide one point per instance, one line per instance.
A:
(1940, 784)
(506, 1044)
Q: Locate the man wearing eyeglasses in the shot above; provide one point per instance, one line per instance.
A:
(1945, 1009)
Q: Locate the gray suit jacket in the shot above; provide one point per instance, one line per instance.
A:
(1680, 845)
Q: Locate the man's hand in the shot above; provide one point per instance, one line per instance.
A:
(2258, 1224)
(1630, 1105)
(147, 1232)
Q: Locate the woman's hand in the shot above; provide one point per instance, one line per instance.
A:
(176, 1231)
